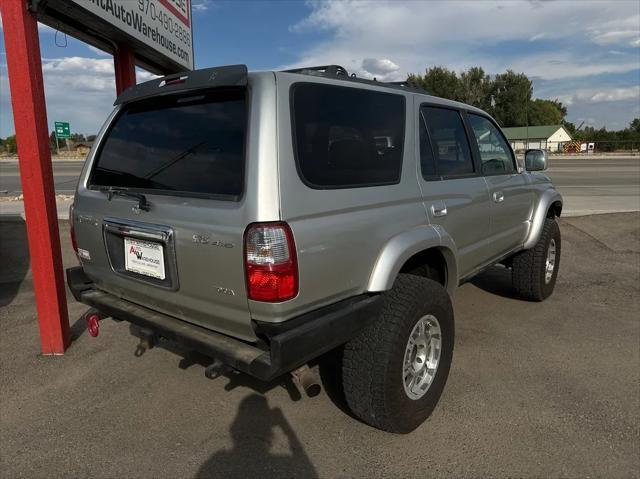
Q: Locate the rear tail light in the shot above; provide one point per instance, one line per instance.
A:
(271, 264)
(72, 230)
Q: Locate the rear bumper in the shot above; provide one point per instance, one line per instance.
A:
(288, 345)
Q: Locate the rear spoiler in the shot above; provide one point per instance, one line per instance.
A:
(227, 76)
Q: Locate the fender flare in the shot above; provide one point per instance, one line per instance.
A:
(548, 198)
(400, 248)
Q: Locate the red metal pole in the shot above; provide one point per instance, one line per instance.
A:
(125, 67)
(30, 120)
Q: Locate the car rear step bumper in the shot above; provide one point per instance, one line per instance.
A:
(291, 343)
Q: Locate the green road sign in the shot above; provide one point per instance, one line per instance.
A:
(62, 129)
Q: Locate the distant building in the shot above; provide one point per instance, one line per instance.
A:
(82, 147)
(547, 137)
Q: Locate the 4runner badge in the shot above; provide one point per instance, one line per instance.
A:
(206, 239)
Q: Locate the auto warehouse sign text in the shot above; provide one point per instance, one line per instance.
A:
(164, 25)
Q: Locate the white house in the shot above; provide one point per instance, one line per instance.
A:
(546, 137)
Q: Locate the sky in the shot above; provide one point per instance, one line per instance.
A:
(584, 53)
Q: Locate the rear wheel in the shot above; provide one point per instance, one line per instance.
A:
(534, 271)
(395, 370)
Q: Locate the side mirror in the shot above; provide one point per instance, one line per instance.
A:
(535, 160)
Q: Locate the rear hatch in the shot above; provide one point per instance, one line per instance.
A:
(159, 213)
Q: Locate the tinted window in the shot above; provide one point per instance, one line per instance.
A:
(427, 162)
(191, 144)
(494, 151)
(449, 141)
(346, 136)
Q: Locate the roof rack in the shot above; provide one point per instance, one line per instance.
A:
(323, 70)
(402, 83)
(339, 72)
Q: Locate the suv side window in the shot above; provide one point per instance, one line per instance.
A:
(347, 137)
(449, 140)
(495, 153)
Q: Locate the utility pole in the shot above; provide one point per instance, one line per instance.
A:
(526, 119)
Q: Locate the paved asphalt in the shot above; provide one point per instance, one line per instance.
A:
(589, 185)
(598, 185)
(65, 177)
(536, 389)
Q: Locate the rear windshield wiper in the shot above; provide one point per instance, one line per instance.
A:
(143, 204)
(174, 160)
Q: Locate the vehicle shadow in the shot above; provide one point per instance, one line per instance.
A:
(14, 254)
(234, 379)
(329, 368)
(253, 434)
(495, 280)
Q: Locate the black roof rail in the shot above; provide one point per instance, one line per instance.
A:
(401, 83)
(341, 73)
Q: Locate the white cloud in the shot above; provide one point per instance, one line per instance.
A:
(621, 31)
(201, 6)
(415, 35)
(77, 89)
(143, 75)
(561, 65)
(617, 37)
(594, 95)
(379, 65)
(381, 68)
(558, 44)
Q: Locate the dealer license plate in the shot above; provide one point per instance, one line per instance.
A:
(144, 257)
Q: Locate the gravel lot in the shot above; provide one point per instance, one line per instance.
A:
(536, 390)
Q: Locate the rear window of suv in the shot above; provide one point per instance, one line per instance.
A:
(347, 137)
(180, 145)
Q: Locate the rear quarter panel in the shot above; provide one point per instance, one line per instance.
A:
(339, 233)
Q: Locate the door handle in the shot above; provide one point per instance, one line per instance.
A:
(438, 210)
(498, 197)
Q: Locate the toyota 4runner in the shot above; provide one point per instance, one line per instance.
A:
(264, 219)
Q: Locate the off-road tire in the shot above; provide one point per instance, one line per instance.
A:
(372, 363)
(529, 266)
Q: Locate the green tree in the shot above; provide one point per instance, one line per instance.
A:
(475, 88)
(570, 127)
(52, 141)
(546, 112)
(10, 144)
(634, 126)
(438, 81)
(511, 96)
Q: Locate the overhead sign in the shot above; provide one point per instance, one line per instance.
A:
(159, 31)
(164, 25)
(62, 129)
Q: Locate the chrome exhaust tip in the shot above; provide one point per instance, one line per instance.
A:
(306, 380)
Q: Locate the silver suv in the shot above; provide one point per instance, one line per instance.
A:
(264, 219)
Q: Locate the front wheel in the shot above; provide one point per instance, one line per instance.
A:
(395, 370)
(534, 271)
